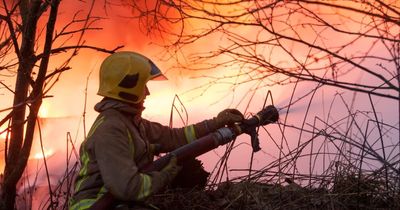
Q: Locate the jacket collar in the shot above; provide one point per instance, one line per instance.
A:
(130, 110)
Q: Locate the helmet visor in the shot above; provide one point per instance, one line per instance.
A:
(156, 73)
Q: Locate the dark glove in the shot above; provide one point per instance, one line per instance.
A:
(228, 117)
(171, 169)
(165, 176)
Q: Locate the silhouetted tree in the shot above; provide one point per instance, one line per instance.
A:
(281, 41)
(25, 50)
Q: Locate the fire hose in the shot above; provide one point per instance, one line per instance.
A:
(204, 144)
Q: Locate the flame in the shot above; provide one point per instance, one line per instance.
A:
(44, 110)
(4, 135)
(47, 153)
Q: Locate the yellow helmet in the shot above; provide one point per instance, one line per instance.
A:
(123, 76)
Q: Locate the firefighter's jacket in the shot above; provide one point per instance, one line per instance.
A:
(117, 145)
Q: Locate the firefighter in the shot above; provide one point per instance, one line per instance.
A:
(120, 141)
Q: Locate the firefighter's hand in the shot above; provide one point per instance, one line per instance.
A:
(228, 117)
(171, 169)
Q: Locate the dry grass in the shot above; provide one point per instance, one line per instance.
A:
(346, 192)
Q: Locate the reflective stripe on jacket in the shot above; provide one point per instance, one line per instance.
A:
(114, 150)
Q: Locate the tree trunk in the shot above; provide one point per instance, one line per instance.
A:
(16, 159)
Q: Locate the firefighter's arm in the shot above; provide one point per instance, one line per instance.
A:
(172, 138)
(225, 117)
(121, 176)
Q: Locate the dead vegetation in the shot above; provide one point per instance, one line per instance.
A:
(347, 191)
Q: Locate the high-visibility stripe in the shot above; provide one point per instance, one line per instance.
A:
(83, 204)
(85, 156)
(145, 187)
(95, 125)
(190, 133)
(86, 203)
(79, 183)
(103, 190)
(85, 163)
